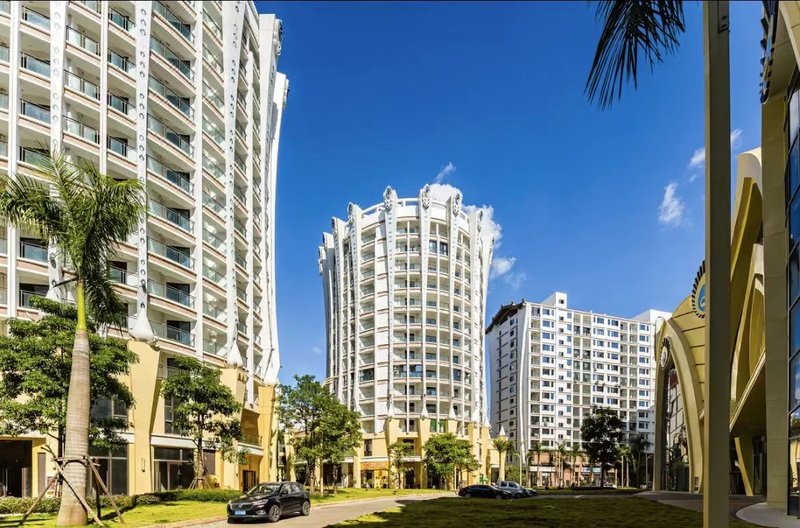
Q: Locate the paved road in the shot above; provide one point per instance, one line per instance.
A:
(334, 513)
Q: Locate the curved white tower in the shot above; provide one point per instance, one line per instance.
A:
(405, 285)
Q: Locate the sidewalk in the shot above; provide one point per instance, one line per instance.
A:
(761, 515)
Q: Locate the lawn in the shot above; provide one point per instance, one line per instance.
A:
(345, 494)
(140, 516)
(604, 491)
(623, 512)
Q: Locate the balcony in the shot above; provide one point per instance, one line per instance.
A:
(215, 242)
(121, 20)
(239, 193)
(241, 327)
(83, 41)
(173, 333)
(32, 251)
(121, 147)
(213, 168)
(212, 25)
(121, 63)
(4, 53)
(212, 130)
(81, 85)
(81, 130)
(213, 311)
(181, 141)
(171, 215)
(32, 156)
(240, 259)
(3, 149)
(170, 292)
(212, 60)
(212, 204)
(120, 104)
(35, 111)
(39, 66)
(24, 299)
(239, 227)
(212, 274)
(180, 179)
(170, 253)
(5, 7)
(211, 95)
(251, 439)
(180, 26)
(171, 57)
(180, 103)
(35, 18)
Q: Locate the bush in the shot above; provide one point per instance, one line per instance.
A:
(202, 495)
(146, 500)
(18, 505)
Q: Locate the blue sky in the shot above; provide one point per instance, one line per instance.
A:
(603, 205)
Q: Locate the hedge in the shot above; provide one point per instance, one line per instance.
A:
(14, 505)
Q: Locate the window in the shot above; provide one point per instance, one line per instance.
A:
(113, 468)
(443, 248)
(367, 447)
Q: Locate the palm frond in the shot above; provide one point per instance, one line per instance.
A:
(632, 30)
(26, 202)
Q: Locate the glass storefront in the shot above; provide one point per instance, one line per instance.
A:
(113, 468)
(173, 468)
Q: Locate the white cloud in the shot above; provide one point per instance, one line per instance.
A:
(444, 172)
(316, 350)
(672, 208)
(693, 176)
(501, 266)
(698, 159)
(515, 279)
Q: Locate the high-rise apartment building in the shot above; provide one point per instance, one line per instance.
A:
(550, 365)
(405, 287)
(185, 97)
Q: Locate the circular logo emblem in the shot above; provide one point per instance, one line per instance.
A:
(699, 292)
(665, 352)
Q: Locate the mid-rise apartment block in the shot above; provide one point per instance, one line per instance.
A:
(550, 365)
(184, 96)
(405, 284)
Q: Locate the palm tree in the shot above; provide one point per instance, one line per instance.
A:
(638, 448)
(86, 217)
(561, 448)
(503, 446)
(537, 448)
(625, 460)
(575, 452)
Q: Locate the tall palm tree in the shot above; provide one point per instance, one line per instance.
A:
(537, 448)
(630, 28)
(575, 451)
(503, 446)
(86, 217)
(625, 459)
(561, 448)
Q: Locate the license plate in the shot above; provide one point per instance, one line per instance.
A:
(240, 512)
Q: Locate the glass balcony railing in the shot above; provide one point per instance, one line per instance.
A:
(210, 94)
(239, 162)
(5, 7)
(4, 101)
(83, 41)
(32, 156)
(241, 327)
(214, 311)
(35, 111)
(26, 296)
(81, 85)
(181, 103)
(120, 62)
(212, 25)
(239, 193)
(212, 274)
(31, 251)
(170, 56)
(214, 240)
(170, 292)
(94, 5)
(120, 104)
(120, 276)
(240, 131)
(29, 62)
(181, 179)
(241, 293)
(79, 129)
(3, 149)
(212, 60)
(121, 20)
(178, 256)
(36, 18)
(213, 169)
(4, 53)
(213, 204)
(240, 259)
(121, 147)
(179, 140)
(239, 227)
(210, 347)
(180, 26)
(171, 215)
(173, 333)
(212, 130)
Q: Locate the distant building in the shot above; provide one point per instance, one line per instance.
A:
(550, 365)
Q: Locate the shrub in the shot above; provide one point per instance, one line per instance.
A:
(203, 495)
(18, 505)
(147, 499)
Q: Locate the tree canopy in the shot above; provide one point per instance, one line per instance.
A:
(399, 452)
(446, 454)
(601, 433)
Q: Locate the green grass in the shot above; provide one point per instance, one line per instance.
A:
(605, 491)
(346, 494)
(138, 517)
(621, 512)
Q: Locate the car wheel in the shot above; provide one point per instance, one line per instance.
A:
(498, 496)
(306, 509)
(274, 513)
(468, 495)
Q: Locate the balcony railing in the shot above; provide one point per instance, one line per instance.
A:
(170, 56)
(4, 53)
(181, 179)
(120, 104)
(121, 20)
(180, 26)
(213, 311)
(241, 293)
(240, 259)
(94, 5)
(212, 130)
(212, 348)
(83, 41)
(170, 292)
(170, 215)
(252, 439)
(120, 62)
(3, 149)
(81, 85)
(28, 250)
(32, 156)
(36, 18)
(121, 147)
(241, 327)
(157, 127)
(173, 333)
(212, 203)
(174, 99)
(214, 240)
(29, 62)
(239, 193)
(175, 255)
(239, 227)
(5, 7)
(79, 129)
(212, 60)
(211, 95)
(212, 274)
(214, 169)
(212, 25)
(26, 296)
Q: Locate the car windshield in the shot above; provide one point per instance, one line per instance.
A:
(261, 489)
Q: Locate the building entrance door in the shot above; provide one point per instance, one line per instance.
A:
(15, 468)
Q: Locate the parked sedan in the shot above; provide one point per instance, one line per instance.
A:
(516, 491)
(270, 501)
(485, 491)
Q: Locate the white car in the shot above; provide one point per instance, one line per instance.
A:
(512, 487)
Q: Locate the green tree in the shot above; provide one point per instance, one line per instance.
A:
(445, 454)
(85, 217)
(561, 449)
(601, 433)
(503, 446)
(341, 434)
(639, 446)
(399, 453)
(575, 452)
(536, 448)
(35, 362)
(203, 407)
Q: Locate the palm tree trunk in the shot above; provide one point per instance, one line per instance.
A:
(71, 513)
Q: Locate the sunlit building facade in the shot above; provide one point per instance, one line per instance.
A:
(186, 98)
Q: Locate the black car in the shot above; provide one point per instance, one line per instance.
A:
(270, 500)
(485, 491)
